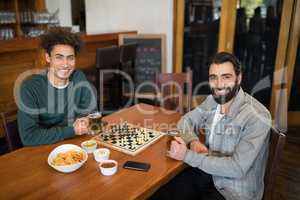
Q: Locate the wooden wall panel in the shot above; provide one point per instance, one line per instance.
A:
(9, 73)
(11, 66)
(17, 57)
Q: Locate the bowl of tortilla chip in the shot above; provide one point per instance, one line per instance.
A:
(67, 158)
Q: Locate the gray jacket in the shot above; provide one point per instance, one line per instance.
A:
(239, 149)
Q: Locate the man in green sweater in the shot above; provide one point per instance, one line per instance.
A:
(52, 105)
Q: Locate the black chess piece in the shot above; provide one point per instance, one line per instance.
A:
(119, 129)
(105, 138)
(151, 134)
(113, 128)
(113, 141)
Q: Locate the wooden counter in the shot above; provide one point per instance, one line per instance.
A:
(19, 55)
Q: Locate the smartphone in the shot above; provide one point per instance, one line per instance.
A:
(140, 166)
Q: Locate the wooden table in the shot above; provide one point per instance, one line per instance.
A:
(196, 99)
(25, 173)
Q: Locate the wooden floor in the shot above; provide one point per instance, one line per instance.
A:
(288, 179)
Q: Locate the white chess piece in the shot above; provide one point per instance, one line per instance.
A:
(146, 138)
(122, 141)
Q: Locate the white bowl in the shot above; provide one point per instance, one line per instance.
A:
(62, 149)
(108, 171)
(89, 146)
(101, 154)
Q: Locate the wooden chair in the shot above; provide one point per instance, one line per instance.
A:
(10, 126)
(175, 90)
(277, 141)
(108, 58)
(127, 60)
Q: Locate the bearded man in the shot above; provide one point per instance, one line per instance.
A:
(230, 164)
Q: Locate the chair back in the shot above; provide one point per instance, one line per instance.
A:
(128, 53)
(175, 90)
(127, 60)
(108, 57)
(277, 141)
(108, 84)
(10, 126)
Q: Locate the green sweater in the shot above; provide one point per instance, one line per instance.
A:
(46, 114)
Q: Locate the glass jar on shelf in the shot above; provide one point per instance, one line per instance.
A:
(7, 17)
(7, 34)
(31, 32)
(26, 17)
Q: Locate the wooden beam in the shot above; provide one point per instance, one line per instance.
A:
(18, 22)
(293, 117)
(178, 30)
(40, 5)
(279, 70)
(227, 26)
(293, 47)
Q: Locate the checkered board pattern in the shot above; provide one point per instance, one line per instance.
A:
(128, 138)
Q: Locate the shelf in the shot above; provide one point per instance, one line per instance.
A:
(18, 7)
(8, 24)
(22, 43)
(36, 24)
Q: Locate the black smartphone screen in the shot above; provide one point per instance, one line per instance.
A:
(137, 166)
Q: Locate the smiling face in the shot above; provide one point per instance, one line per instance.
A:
(61, 63)
(223, 81)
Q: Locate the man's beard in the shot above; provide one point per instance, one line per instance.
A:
(230, 93)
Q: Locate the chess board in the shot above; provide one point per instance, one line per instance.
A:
(128, 138)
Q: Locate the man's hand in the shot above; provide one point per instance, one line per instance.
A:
(178, 149)
(198, 147)
(81, 126)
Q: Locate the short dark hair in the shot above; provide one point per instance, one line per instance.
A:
(59, 35)
(223, 57)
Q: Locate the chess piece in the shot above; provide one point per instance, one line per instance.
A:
(122, 141)
(113, 128)
(146, 136)
(140, 140)
(134, 142)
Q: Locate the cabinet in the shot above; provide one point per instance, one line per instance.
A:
(24, 18)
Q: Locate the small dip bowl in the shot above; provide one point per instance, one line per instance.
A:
(101, 154)
(89, 146)
(108, 167)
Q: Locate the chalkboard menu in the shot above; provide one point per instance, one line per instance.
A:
(150, 57)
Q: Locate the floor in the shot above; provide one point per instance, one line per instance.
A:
(288, 179)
